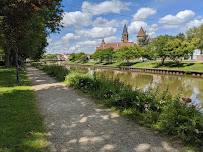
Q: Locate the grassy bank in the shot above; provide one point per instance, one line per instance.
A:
(21, 127)
(170, 65)
(173, 117)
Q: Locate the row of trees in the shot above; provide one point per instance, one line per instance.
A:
(175, 48)
(24, 26)
(79, 57)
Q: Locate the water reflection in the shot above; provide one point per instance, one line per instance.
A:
(176, 85)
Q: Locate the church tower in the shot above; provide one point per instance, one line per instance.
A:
(141, 34)
(125, 35)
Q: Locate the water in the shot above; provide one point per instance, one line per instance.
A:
(184, 86)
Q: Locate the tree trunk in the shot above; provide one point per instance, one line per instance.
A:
(163, 61)
(7, 57)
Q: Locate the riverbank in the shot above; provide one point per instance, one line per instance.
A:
(152, 110)
(185, 68)
(21, 125)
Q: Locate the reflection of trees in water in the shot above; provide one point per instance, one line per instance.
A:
(175, 84)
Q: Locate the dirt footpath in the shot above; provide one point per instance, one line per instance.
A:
(77, 124)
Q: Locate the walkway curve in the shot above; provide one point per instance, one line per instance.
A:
(77, 124)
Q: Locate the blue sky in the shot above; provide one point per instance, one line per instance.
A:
(86, 23)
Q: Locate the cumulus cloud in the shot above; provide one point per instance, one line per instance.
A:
(143, 13)
(97, 32)
(113, 6)
(112, 39)
(101, 22)
(77, 19)
(179, 19)
(135, 26)
(70, 37)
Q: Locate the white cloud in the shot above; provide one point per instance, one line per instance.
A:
(77, 19)
(179, 19)
(135, 26)
(97, 32)
(194, 23)
(112, 39)
(101, 22)
(70, 37)
(143, 13)
(113, 6)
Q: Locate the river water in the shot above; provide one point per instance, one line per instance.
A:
(185, 86)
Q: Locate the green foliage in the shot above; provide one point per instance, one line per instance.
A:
(182, 121)
(21, 126)
(127, 53)
(172, 116)
(108, 54)
(159, 44)
(161, 112)
(52, 56)
(56, 71)
(72, 57)
(144, 41)
(147, 52)
(195, 36)
(98, 55)
(181, 36)
(83, 58)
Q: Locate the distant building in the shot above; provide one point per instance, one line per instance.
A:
(124, 40)
(117, 45)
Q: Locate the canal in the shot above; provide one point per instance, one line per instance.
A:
(184, 86)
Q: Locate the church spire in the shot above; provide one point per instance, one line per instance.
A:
(103, 42)
(125, 35)
(125, 30)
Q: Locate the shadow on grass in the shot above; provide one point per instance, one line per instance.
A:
(172, 64)
(8, 78)
(128, 64)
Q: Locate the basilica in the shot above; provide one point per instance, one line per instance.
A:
(124, 40)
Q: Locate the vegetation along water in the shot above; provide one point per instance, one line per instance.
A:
(177, 117)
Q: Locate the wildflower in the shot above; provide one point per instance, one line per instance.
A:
(130, 85)
(193, 106)
(197, 131)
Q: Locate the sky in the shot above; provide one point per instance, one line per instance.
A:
(86, 23)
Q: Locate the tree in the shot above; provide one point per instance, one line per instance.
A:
(181, 36)
(78, 55)
(144, 41)
(14, 17)
(72, 57)
(98, 55)
(195, 36)
(147, 52)
(108, 54)
(127, 53)
(83, 58)
(158, 44)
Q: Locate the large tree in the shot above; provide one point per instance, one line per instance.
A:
(159, 44)
(108, 54)
(127, 53)
(195, 36)
(98, 55)
(15, 15)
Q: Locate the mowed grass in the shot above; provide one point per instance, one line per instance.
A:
(21, 125)
(170, 65)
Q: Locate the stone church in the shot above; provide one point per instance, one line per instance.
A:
(124, 40)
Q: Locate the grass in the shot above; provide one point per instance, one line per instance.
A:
(170, 65)
(21, 126)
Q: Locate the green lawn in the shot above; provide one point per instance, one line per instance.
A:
(185, 65)
(21, 125)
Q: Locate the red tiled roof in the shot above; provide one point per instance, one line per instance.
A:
(115, 45)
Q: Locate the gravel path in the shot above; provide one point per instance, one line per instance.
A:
(77, 124)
